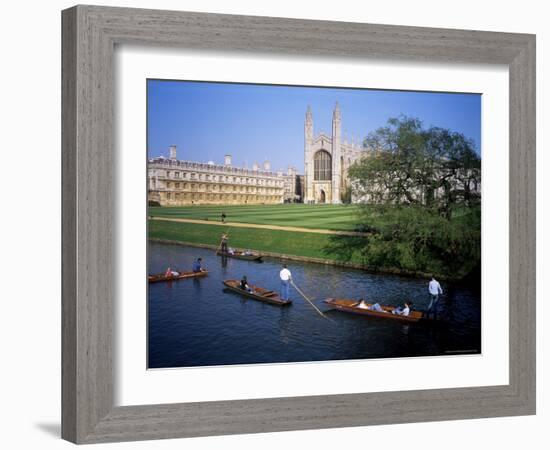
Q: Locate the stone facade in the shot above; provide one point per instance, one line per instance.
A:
(326, 161)
(294, 183)
(173, 182)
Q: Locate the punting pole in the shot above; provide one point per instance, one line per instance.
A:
(310, 302)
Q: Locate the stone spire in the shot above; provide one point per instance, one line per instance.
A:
(336, 113)
(308, 156)
(308, 124)
(336, 154)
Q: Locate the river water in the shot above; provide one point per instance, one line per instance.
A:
(194, 322)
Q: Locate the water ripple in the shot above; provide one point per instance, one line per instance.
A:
(195, 323)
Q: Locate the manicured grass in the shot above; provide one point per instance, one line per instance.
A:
(328, 217)
(404, 240)
(286, 242)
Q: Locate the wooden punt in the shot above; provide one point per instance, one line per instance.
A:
(351, 306)
(237, 254)
(182, 275)
(258, 293)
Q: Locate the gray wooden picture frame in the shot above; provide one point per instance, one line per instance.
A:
(90, 34)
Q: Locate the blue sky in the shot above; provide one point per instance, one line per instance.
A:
(258, 122)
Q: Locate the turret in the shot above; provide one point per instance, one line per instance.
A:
(336, 153)
(308, 156)
(309, 124)
(173, 152)
(227, 160)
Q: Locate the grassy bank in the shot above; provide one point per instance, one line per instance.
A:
(310, 246)
(328, 217)
(285, 242)
(404, 240)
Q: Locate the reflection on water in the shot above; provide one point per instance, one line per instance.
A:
(195, 323)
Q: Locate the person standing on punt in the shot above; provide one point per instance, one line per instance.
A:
(225, 238)
(434, 288)
(286, 278)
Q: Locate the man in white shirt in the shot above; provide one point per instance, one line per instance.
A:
(286, 278)
(434, 288)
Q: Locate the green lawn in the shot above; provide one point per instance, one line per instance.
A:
(407, 240)
(328, 217)
(285, 242)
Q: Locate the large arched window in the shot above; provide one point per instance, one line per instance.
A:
(322, 163)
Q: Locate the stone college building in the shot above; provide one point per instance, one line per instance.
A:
(326, 161)
(174, 182)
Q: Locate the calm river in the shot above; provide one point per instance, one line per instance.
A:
(195, 323)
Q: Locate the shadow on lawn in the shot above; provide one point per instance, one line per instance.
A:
(347, 248)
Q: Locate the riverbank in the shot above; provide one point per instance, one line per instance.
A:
(306, 247)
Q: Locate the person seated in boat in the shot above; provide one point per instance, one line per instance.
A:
(404, 310)
(231, 250)
(171, 273)
(197, 266)
(363, 305)
(247, 252)
(376, 307)
(244, 284)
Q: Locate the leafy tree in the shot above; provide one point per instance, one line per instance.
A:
(407, 164)
(412, 238)
(419, 191)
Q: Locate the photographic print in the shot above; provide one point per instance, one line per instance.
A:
(294, 224)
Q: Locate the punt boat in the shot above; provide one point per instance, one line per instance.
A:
(352, 306)
(182, 275)
(258, 293)
(237, 254)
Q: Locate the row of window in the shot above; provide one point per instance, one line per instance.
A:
(216, 187)
(222, 178)
(182, 165)
(214, 197)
